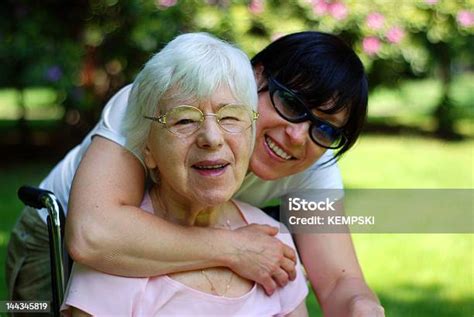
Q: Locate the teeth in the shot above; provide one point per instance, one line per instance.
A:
(208, 167)
(277, 150)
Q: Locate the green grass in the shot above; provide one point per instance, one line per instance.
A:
(415, 98)
(408, 162)
(417, 275)
(40, 103)
(12, 177)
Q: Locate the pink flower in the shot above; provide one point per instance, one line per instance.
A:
(256, 6)
(320, 7)
(431, 2)
(166, 3)
(395, 35)
(465, 18)
(371, 45)
(338, 10)
(375, 20)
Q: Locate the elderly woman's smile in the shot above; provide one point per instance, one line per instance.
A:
(211, 167)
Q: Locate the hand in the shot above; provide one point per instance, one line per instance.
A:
(366, 307)
(262, 258)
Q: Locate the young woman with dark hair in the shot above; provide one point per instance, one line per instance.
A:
(312, 101)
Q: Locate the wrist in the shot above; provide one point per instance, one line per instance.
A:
(226, 248)
(366, 305)
(366, 297)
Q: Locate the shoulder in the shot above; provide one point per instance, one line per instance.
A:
(116, 106)
(255, 215)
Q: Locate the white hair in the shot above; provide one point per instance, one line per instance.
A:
(194, 65)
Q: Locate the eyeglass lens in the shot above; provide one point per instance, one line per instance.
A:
(291, 109)
(185, 120)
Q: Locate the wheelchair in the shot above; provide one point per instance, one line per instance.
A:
(59, 259)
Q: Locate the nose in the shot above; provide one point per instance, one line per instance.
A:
(210, 135)
(298, 132)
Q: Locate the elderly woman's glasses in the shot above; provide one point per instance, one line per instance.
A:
(185, 120)
(291, 108)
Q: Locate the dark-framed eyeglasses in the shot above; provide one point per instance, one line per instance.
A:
(184, 120)
(291, 108)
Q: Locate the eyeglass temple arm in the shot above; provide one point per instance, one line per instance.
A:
(161, 119)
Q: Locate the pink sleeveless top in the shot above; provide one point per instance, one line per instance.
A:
(101, 294)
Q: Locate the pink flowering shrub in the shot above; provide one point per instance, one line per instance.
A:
(395, 35)
(465, 18)
(371, 45)
(375, 20)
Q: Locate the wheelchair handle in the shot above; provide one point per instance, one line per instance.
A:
(40, 198)
(33, 197)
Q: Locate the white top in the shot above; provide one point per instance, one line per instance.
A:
(254, 190)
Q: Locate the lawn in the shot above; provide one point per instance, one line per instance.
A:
(414, 274)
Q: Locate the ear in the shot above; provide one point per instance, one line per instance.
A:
(148, 158)
(259, 76)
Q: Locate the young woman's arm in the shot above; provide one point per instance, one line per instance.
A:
(106, 232)
(336, 276)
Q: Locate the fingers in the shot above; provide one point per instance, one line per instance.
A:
(269, 285)
(379, 312)
(289, 268)
(266, 229)
(280, 277)
(289, 253)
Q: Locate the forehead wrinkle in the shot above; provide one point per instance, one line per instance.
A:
(176, 97)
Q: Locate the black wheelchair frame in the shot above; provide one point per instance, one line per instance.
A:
(59, 259)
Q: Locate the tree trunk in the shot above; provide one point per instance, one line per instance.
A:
(444, 112)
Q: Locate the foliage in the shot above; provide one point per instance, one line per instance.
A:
(86, 50)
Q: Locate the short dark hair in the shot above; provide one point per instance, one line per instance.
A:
(323, 70)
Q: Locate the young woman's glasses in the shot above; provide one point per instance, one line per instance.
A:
(291, 108)
(184, 120)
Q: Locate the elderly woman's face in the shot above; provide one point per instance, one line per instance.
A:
(206, 167)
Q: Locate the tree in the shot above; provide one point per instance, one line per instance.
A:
(86, 50)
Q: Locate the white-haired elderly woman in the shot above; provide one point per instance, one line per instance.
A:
(195, 101)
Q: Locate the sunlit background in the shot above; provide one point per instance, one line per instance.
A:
(61, 62)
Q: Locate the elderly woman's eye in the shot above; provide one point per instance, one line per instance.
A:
(229, 118)
(185, 121)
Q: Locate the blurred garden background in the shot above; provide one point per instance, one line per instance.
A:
(61, 61)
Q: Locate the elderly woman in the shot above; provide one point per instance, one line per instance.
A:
(196, 102)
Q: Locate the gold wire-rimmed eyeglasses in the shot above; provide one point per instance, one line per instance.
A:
(184, 120)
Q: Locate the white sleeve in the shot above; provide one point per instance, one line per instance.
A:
(110, 124)
(324, 174)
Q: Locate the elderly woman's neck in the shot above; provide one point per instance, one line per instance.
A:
(185, 212)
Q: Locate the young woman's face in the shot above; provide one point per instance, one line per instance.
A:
(283, 148)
